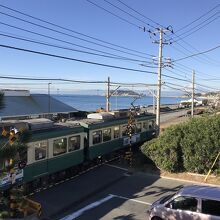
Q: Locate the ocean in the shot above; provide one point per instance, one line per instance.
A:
(93, 102)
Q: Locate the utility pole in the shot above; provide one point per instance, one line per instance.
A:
(49, 97)
(159, 79)
(154, 101)
(108, 96)
(193, 93)
(160, 62)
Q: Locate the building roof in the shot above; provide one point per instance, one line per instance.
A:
(34, 104)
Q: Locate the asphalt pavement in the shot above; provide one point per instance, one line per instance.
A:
(104, 193)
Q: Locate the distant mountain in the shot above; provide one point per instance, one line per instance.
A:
(125, 93)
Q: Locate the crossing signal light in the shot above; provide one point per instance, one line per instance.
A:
(13, 135)
(4, 132)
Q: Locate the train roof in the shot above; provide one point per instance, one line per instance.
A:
(58, 130)
(93, 123)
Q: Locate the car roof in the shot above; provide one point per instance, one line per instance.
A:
(201, 191)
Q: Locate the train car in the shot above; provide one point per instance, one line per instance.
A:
(52, 149)
(59, 150)
(107, 132)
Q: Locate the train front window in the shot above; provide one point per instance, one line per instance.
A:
(97, 137)
(151, 124)
(40, 150)
(116, 132)
(145, 125)
(124, 131)
(74, 143)
(59, 146)
(138, 127)
(107, 134)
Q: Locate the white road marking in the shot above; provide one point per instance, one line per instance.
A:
(120, 168)
(133, 200)
(86, 208)
(97, 203)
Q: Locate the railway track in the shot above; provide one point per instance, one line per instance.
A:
(80, 173)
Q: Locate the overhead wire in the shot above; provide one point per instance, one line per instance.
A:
(63, 41)
(119, 17)
(188, 33)
(86, 61)
(115, 6)
(197, 54)
(73, 31)
(74, 59)
(71, 49)
(156, 23)
(69, 35)
(200, 17)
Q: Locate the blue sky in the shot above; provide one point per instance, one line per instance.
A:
(83, 17)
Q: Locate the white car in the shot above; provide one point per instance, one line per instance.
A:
(190, 202)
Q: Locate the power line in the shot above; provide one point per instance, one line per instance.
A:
(85, 61)
(123, 19)
(189, 81)
(128, 13)
(196, 54)
(203, 15)
(69, 35)
(70, 30)
(190, 33)
(63, 41)
(71, 49)
(73, 59)
(140, 14)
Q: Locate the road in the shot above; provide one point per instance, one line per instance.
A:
(166, 117)
(105, 193)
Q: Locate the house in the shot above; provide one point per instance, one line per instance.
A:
(187, 103)
(20, 104)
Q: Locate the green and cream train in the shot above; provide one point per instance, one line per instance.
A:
(59, 150)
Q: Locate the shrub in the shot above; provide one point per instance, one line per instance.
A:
(191, 146)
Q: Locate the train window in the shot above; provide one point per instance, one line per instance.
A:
(116, 132)
(40, 150)
(97, 137)
(59, 146)
(124, 131)
(107, 134)
(138, 127)
(74, 143)
(145, 125)
(151, 124)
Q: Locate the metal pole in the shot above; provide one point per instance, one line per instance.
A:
(193, 92)
(108, 95)
(49, 98)
(159, 80)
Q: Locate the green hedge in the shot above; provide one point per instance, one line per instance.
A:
(190, 146)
